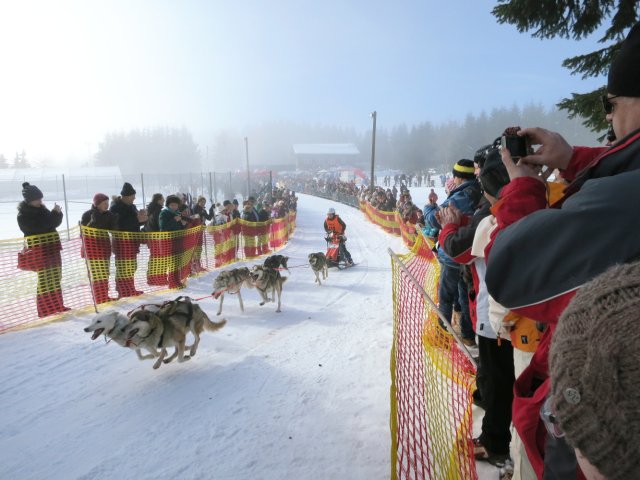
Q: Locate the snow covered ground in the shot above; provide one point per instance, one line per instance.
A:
(303, 394)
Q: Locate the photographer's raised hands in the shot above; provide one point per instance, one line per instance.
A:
(554, 151)
(522, 169)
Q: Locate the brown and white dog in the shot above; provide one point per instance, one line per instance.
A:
(231, 281)
(318, 263)
(265, 279)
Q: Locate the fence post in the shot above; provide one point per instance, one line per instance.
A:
(66, 206)
(144, 199)
(86, 261)
(215, 188)
(211, 194)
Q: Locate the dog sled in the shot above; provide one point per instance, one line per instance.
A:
(334, 258)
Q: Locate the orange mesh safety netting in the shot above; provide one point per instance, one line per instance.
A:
(43, 276)
(432, 380)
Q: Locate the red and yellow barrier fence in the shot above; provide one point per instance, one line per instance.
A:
(432, 380)
(100, 266)
(391, 222)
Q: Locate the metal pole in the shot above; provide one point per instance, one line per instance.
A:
(270, 181)
(230, 186)
(144, 199)
(211, 191)
(215, 188)
(426, 296)
(374, 115)
(66, 207)
(86, 261)
(246, 148)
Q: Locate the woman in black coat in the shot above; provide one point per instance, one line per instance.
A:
(35, 220)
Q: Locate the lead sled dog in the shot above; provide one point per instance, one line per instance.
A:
(265, 279)
(168, 327)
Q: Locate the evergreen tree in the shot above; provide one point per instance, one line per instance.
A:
(20, 161)
(3, 162)
(577, 20)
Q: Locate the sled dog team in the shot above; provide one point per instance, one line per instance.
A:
(155, 328)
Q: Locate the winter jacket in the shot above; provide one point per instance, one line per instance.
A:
(167, 220)
(37, 220)
(94, 218)
(153, 222)
(336, 224)
(539, 257)
(202, 213)
(127, 216)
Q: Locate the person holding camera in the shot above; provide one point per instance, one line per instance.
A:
(540, 257)
(35, 220)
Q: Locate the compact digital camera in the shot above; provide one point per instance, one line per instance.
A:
(518, 146)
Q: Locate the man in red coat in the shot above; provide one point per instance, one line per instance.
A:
(539, 257)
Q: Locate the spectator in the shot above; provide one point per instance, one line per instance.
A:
(36, 219)
(464, 197)
(172, 221)
(126, 243)
(249, 214)
(97, 245)
(534, 265)
(495, 375)
(153, 212)
(235, 213)
(433, 197)
(200, 209)
(595, 379)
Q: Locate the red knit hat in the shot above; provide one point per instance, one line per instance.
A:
(98, 198)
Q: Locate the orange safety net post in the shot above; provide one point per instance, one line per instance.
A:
(432, 380)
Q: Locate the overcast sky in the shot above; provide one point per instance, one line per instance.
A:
(73, 70)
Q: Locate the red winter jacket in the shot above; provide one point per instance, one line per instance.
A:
(539, 257)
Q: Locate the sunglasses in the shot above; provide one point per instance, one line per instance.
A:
(606, 103)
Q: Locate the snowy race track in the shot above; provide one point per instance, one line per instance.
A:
(303, 394)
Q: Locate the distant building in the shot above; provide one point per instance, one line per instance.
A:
(314, 156)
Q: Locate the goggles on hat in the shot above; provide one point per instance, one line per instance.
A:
(606, 103)
(550, 420)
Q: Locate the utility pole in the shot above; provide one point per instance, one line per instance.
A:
(246, 147)
(373, 115)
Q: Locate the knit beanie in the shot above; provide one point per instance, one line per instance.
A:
(624, 75)
(172, 199)
(595, 372)
(493, 175)
(98, 198)
(464, 169)
(31, 192)
(127, 190)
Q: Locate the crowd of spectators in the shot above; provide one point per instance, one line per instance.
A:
(531, 274)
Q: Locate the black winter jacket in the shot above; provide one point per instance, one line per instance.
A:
(127, 216)
(37, 220)
(153, 221)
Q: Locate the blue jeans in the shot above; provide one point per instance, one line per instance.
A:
(450, 289)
